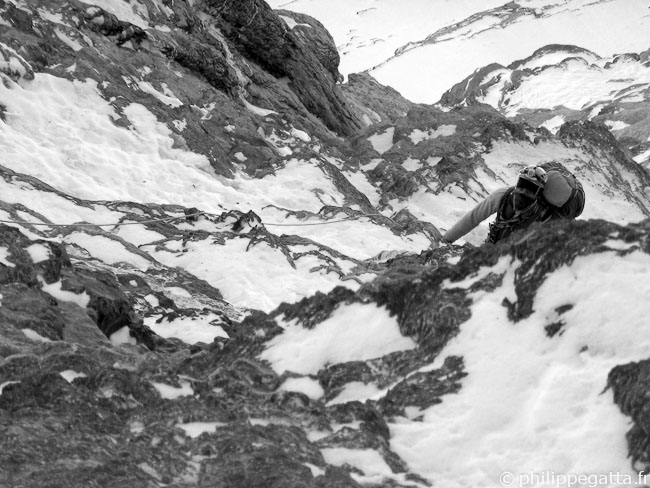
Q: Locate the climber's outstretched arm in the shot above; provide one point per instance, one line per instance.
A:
(475, 216)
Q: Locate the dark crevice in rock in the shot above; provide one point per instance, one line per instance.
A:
(109, 25)
(315, 309)
(422, 390)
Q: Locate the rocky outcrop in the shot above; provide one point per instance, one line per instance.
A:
(433, 149)
(624, 109)
(232, 55)
(622, 171)
(263, 37)
(631, 387)
(213, 414)
(28, 307)
(315, 37)
(472, 88)
(376, 103)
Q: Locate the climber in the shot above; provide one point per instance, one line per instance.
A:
(542, 193)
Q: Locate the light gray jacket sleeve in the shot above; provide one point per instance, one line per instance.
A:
(475, 216)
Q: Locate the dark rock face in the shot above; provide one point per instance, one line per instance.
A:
(435, 150)
(600, 139)
(423, 390)
(263, 37)
(107, 305)
(256, 30)
(375, 102)
(470, 88)
(314, 36)
(396, 182)
(631, 385)
(226, 53)
(109, 25)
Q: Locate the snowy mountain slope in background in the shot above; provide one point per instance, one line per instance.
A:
(534, 39)
(368, 32)
(569, 70)
(219, 267)
(422, 51)
(561, 83)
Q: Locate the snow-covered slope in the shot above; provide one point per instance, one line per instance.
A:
(68, 141)
(217, 269)
(541, 335)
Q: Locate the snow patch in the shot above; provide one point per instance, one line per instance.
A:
(315, 470)
(357, 391)
(292, 23)
(444, 130)
(195, 429)
(642, 157)
(34, 336)
(299, 134)
(55, 290)
(171, 392)
(70, 375)
(4, 254)
(616, 124)
(554, 123)
(188, 329)
(353, 332)
(147, 87)
(38, 252)
(411, 164)
(306, 385)
(71, 43)
(382, 142)
(122, 336)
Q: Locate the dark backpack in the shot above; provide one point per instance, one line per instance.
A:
(576, 203)
(507, 221)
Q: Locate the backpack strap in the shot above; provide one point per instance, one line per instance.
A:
(508, 221)
(498, 228)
